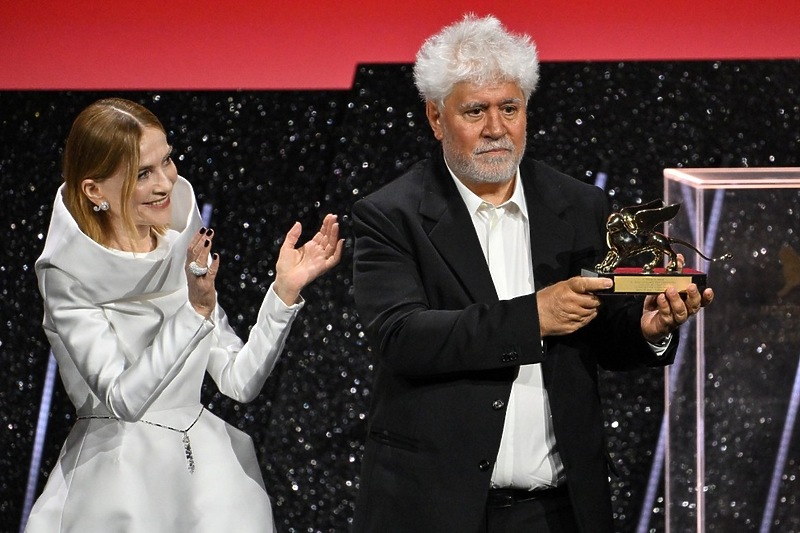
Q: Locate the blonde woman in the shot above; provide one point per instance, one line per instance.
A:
(127, 276)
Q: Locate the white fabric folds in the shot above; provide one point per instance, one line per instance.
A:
(130, 349)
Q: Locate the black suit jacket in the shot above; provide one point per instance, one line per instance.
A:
(447, 350)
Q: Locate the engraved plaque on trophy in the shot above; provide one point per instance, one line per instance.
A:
(631, 234)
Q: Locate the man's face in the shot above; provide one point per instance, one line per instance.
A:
(482, 130)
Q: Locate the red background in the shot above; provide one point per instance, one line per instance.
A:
(149, 44)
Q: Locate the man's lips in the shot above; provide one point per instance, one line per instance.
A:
(494, 150)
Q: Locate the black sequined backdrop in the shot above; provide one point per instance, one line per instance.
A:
(265, 159)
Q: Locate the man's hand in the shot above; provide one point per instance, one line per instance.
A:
(569, 305)
(663, 313)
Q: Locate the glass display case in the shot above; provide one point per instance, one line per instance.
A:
(731, 447)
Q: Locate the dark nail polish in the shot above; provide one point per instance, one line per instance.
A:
(210, 232)
(205, 244)
(202, 231)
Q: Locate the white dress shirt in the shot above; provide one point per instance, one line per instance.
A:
(527, 458)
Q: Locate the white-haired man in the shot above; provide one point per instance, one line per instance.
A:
(486, 414)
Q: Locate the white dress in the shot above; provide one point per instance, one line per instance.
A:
(144, 456)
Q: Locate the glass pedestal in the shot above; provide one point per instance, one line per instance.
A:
(732, 441)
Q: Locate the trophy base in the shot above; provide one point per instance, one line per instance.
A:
(634, 281)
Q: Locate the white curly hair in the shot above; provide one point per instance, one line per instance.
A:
(475, 50)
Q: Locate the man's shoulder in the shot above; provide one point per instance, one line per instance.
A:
(405, 187)
(541, 170)
(540, 174)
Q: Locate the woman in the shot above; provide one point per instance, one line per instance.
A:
(127, 276)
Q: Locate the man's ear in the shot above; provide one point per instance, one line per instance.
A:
(434, 117)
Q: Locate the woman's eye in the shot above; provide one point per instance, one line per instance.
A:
(143, 174)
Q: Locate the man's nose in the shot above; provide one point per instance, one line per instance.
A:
(494, 127)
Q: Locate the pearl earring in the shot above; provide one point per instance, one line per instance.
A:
(104, 206)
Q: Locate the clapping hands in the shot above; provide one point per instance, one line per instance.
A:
(297, 267)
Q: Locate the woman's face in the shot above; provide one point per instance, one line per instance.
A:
(150, 204)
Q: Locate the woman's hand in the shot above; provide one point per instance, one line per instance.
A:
(297, 267)
(202, 294)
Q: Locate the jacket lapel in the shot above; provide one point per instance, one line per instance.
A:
(551, 237)
(450, 229)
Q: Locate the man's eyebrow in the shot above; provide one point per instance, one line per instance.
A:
(481, 104)
(474, 104)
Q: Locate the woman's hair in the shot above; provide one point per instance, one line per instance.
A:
(475, 50)
(104, 140)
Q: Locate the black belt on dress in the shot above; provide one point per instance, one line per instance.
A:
(509, 497)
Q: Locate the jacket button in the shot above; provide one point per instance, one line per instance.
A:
(498, 404)
(484, 465)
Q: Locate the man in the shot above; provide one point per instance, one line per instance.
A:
(486, 415)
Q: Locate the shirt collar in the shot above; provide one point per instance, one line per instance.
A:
(474, 202)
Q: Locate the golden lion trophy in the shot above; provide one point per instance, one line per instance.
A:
(631, 233)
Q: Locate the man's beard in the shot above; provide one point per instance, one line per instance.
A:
(476, 168)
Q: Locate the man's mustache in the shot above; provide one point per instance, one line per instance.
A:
(497, 145)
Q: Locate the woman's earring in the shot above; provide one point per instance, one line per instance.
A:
(104, 206)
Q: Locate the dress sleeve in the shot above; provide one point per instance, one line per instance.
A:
(240, 370)
(127, 388)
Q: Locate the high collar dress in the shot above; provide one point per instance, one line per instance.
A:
(143, 454)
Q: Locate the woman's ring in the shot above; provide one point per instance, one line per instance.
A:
(197, 270)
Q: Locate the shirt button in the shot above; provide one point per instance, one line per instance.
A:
(498, 404)
(484, 465)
